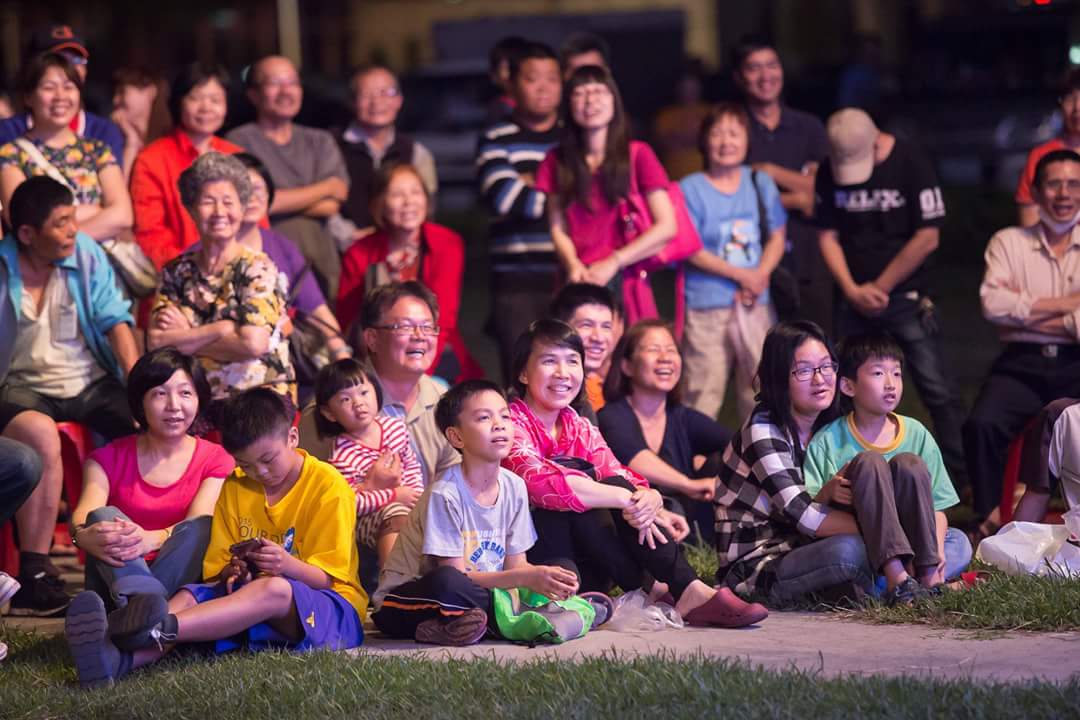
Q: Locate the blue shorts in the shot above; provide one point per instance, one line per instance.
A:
(329, 621)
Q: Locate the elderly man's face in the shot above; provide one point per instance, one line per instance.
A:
(404, 343)
(277, 93)
(376, 99)
(1059, 192)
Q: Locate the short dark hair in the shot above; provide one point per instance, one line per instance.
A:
(154, 369)
(617, 384)
(253, 415)
(35, 69)
(747, 46)
(1054, 156)
(366, 68)
(253, 163)
(190, 77)
(855, 350)
(531, 51)
(713, 116)
(332, 379)
(574, 295)
(1071, 82)
(35, 199)
(774, 371)
(581, 43)
(507, 48)
(453, 401)
(548, 331)
(380, 299)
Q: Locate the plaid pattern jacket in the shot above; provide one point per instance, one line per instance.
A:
(762, 508)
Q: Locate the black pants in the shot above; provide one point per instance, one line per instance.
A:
(604, 546)
(1021, 382)
(102, 407)
(20, 472)
(444, 593)
(1035, 456)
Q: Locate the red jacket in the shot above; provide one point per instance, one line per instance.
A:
(441, 270)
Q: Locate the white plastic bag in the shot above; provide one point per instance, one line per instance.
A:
(1026, 548)
(634, 613)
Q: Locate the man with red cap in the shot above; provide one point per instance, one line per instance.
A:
(62, 40)
(879, 211)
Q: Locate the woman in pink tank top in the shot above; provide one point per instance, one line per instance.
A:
(144, 515)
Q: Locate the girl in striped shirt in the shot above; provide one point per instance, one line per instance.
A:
(373, 452)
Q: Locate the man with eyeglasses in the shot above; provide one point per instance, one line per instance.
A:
(400, 322)
(879, 211)
(309, 174)
(370, 141)
(1027, 208)
(1031, 292)
(62, 40)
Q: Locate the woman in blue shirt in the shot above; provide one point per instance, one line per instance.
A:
(728, 310)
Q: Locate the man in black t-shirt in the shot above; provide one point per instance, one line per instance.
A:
(879, 211)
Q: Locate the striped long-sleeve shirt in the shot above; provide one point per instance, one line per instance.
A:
(506, 162)
(353, 460)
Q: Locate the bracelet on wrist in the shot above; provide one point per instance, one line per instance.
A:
(74, 530)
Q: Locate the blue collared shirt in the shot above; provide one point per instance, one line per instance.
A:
(93, 285)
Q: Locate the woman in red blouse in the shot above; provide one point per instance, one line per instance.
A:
(575, 484)
(406, 246)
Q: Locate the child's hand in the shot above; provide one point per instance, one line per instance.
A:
(385, 473)
(407, 495)
(552, 581)
(270, 558)
(234, 574)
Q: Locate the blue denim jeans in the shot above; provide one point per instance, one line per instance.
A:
(20, 471)
(178, 562)
(957, 553)
(821, 564)
(924, 359)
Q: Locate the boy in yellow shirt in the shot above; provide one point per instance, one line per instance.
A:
(282, 562)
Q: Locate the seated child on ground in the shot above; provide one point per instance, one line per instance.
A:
(293, 583)
(871, 375)
(468, 534)
(372, 452)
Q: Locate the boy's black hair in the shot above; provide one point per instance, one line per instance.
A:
(581, 43)
(531, 51)
(34, 200)
(747, 46)
(547, 331)
(154, 369)
(574, 295)
(855, 350)
(507, 48)
(332, 379)
(453, 401)
(253, 415)
(1054, 156)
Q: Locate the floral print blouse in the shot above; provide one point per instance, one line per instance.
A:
(248, 292)
(79, 162)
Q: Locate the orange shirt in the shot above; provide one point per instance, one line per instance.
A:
(594, 391)
(163, 227)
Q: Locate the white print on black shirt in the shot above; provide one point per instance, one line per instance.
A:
(931, 203)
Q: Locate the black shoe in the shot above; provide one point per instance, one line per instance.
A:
(906, 593)
(97, 661)
(144, 622)
(39, 596)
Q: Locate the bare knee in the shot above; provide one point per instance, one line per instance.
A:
(37, 430)
(275, 591)
(182, 600)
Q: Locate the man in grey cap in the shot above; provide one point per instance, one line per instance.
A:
(879, 212)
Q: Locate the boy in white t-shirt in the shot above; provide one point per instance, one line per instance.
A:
(468, 533)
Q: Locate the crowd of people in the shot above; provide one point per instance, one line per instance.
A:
(288, 406)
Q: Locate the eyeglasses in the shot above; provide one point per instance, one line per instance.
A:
(827, 371)
(405, 329)
(384, 94)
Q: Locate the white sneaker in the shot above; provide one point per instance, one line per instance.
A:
(8, 587)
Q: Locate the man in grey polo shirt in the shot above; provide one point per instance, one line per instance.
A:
(309, 174)
(787, 145)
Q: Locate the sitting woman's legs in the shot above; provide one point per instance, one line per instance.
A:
(114, 583)
(589, 540)
(179, 561)
(819, 565)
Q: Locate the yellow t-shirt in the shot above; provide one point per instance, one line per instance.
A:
(315, 522)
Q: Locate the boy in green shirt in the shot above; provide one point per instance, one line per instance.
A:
(871, 375)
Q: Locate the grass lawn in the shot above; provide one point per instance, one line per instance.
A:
(38, 682)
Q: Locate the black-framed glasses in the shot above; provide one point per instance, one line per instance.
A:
(827, 371)
(408, 328)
